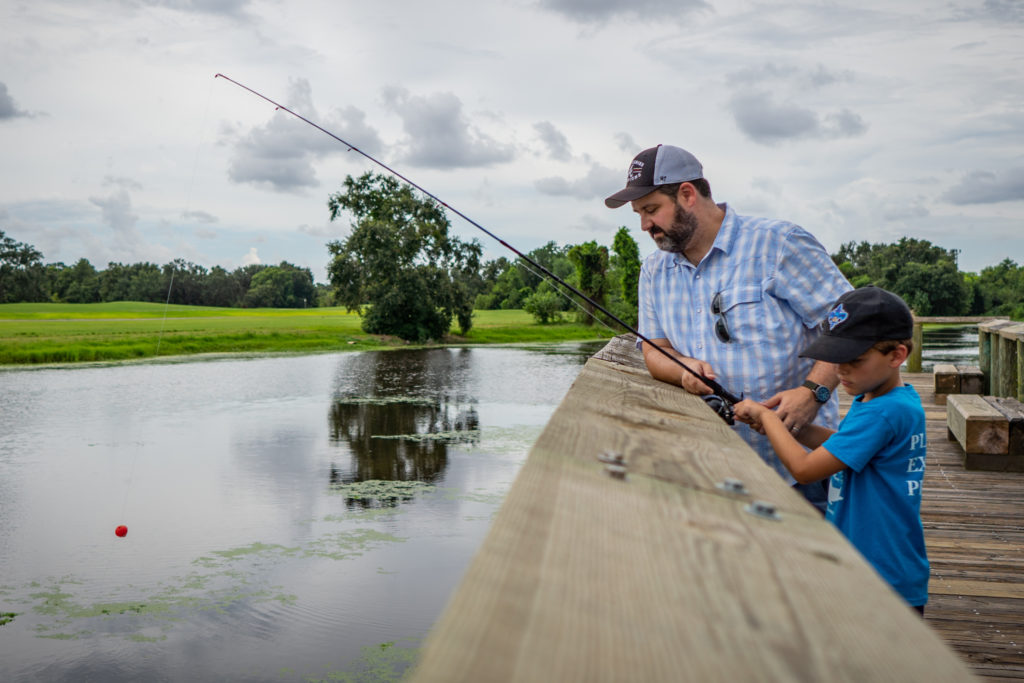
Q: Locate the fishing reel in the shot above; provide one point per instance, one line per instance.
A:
(722, 408)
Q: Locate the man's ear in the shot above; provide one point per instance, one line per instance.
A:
(686, 195)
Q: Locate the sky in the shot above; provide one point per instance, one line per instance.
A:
(865, 121)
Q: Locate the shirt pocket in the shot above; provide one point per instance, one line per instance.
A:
(745, 315)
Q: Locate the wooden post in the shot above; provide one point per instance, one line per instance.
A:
(1020, 368)
(1009, 344)
(914, 360)
(995, 375)
(985, 357)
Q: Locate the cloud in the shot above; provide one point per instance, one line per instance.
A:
(124, 183)
(199, 216)
(994, 10)
(985, 187)
(439, 135)
(555, 141)
(117, 213)
(766, 121)
(8, 109)
(600, 11)
(598, 182)
(280, 154)
(230, 8)
(798, 77)
(252, 258)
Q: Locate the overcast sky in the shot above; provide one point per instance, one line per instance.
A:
(859, 121)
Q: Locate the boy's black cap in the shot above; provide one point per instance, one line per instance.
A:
(859, 320)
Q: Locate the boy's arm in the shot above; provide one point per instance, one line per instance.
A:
(813, 435)
(806, 467)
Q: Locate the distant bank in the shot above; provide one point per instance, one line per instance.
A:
(32, 334)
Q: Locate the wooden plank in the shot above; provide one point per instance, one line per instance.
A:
(978, 426)
(957, 320)
(1013, 410)
(661, 575)
(971, 379)
(947, 381)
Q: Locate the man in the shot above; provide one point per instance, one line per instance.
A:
(735, 298)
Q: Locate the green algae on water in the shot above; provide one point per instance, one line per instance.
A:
(381, 490)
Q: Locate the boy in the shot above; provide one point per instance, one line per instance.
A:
(876, 459)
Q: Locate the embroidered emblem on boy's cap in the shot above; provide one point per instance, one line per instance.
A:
(836, 316)
(635, 169)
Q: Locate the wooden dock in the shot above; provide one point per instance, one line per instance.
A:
(974, 531)
(652, 569)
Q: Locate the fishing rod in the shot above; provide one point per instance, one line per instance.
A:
(720, 400)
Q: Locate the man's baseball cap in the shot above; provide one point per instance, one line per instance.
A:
(661, 165)
(859, 320)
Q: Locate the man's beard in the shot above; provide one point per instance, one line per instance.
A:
(677, 236)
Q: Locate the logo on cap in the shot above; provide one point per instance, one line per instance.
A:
(836, 316)
(635, 170)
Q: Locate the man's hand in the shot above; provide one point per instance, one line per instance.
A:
(691, 383)
(795, 407)
(666, 370)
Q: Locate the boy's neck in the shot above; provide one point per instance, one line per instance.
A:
(892, 381)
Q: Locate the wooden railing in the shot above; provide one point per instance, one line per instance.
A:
(914, 360)
(1001, 358)
(644, 541)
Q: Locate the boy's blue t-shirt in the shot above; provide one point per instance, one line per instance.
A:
(876, 501)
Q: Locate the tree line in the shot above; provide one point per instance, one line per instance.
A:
(408, 276)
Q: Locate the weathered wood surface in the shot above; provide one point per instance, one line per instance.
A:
(663, 576)
(947, 381)
(976, 425)
(974, 530)
(971, 380)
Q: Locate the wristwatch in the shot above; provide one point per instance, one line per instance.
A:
(821, 393)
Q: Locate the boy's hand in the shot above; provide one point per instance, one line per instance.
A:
(749, 412)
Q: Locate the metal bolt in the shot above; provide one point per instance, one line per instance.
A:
(615, 464)
(730, 485)
(760, 508)
(615, 471)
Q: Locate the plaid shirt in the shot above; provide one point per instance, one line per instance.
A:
(776, 284)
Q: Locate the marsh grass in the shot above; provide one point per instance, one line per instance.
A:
(47, 333)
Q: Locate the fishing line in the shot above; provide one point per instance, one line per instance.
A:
(721, 401)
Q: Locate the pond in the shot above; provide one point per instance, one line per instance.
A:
(288, 518)
(956, 344)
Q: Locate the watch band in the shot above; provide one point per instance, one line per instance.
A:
(821, 392)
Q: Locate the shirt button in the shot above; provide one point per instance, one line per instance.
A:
(700, 310)
(697, 277)
(700, 346)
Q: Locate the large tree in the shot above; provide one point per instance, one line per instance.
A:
(591, 261)
(21, 271)
(924, 274)
(399, 267)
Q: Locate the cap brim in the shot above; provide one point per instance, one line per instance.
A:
(627, 195)
(836, 349)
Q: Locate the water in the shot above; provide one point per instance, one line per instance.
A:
(956, 345)
(255, 550)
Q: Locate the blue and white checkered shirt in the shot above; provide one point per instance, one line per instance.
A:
(776, 284)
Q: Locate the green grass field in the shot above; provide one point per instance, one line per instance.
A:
(76, 333)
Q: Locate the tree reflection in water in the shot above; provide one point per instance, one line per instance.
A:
(398, 412)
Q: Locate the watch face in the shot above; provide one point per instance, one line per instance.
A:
(822, 394)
